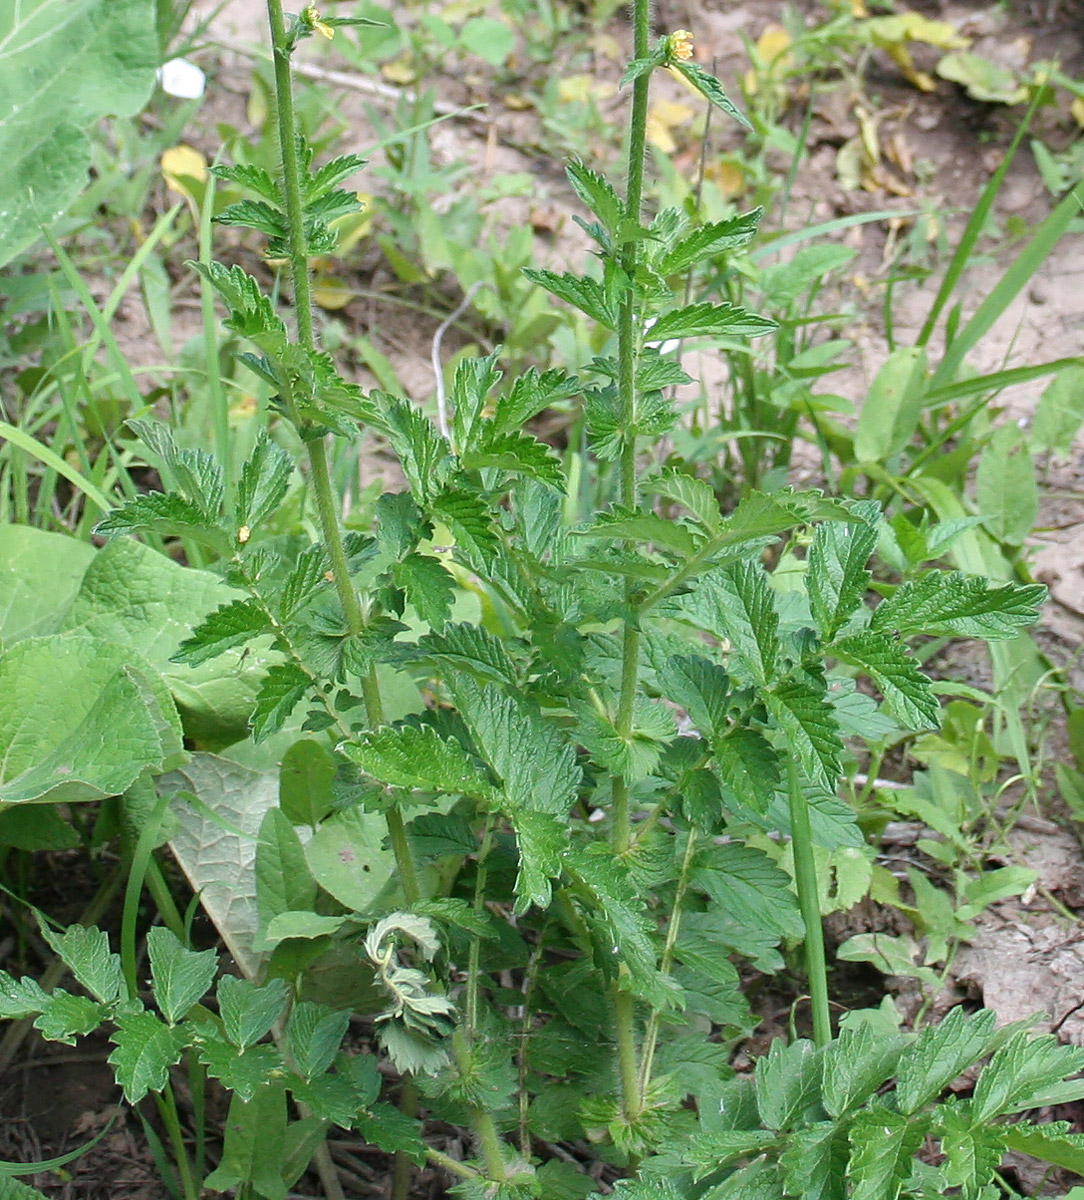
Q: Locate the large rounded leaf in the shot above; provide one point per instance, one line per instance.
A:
(65, 64)
(80, 719)
(39, 575)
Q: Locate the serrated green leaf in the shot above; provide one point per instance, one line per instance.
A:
(809, 727)
(644, 527)
(21, 997)
(12, 1189)
(67, 1017)
(145, 1050)
(892, 668)
(233, 624)
(424, 455)
(972, 1151)
(329, 1097)
(1059, 414)
(1021, 1071)
(710, 88)
(1052, 1143)
(518, 453)
(241, 1071)
(416, 756)
(590, 296)
(838, 577)
(635, 754)
(332, 173)
(280, 691)
(255, 214)
(469, 518)
(709, 240)
(1006, 486)
(169, 515)
(749, 766)
(473, 649)
(474, 379)
(86, 952)
(597, 194)
(700, 687)
(748, 888)
(248, 1011)
(181, 976)
(855, 1065)
(428, 585)
(314, 1033)
(815, 1161)
(883, 1143)
(691, 493)
(787, 1082)
(939, 1055)
(529, 394)
(710, 1152)
(265, 479)
(256, 179)
(710, 320)
(949, 603)
(393, 1132)
(735, 602)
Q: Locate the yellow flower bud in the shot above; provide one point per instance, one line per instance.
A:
(312, 17)
(681, 44)
(243, 534)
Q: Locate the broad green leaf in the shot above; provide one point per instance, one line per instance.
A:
(1006, 486)
(644, 527)
(348, 857)
(278, 694)
(893, 407)
(894, 670)
(255, 1138)
(145, 1050)
(710, 320)
(105, 717)
(1020, 1073)
(787, 1082)
(21, 997)
(748, 765)
(314, 1033)
(66, 64)
(470, 520)
(710, 240)
(700, 687)
(306, 925)
(973, 1151)
(1060, 413)
(306, 778)
(518, 453)
(695, 495)
(86, 952)
(815, 1161)
(329, 1097)
(633, 755)
(181, 976)
(68, 1017)
(735, 602)
(428, 585)
(473, 649)
(283, 882)
(169, 515)
(748, 887)
(40, 574)
(855, 1065)
(891, 955)
(809, 728)
(416, 756)
(393, 1132)
(838, 576)
(939, 1054)
(248, 1011)
(241, 1071)
(136, 597)
(219, 806)
(883, 1144)
(949, 603)
(1052, 1143)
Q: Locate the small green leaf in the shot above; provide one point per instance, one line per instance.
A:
(265, 478)
(1020, 1072)
(1052, 1143)
(597, 194)
(889, 664)
(145, 1050)
(86, 952)
(893, 407)
(234, 624)
(709, 240)
(314, 1033)
(306, 782)
(1059, 414)
(855, 1065)
(691, 493)
(181, 976)
(709, 87)
(939, 1054)
(474, 379)
(949, 603)
(243, 1072)
(280, 692)
(809, 727)
(1006, 486)
(787, 1083)
(710, 320)
(393, 1132)
(416, 756)
(700, 687)
(735, 602)
(67, 1017)
(21, 997)
(838, 576)
(590, 296)
(283, 881)
(749, 888)
(883, 1143)
(749, 766)
(428, 586)
(169, 515)
(248, 1011)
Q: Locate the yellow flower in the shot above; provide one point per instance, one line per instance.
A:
(312, 17)
(243, 534)
(681, 45)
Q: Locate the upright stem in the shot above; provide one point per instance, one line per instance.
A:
(805, 878)
(629, 335)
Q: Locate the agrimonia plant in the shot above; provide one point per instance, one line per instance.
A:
(632, 726)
